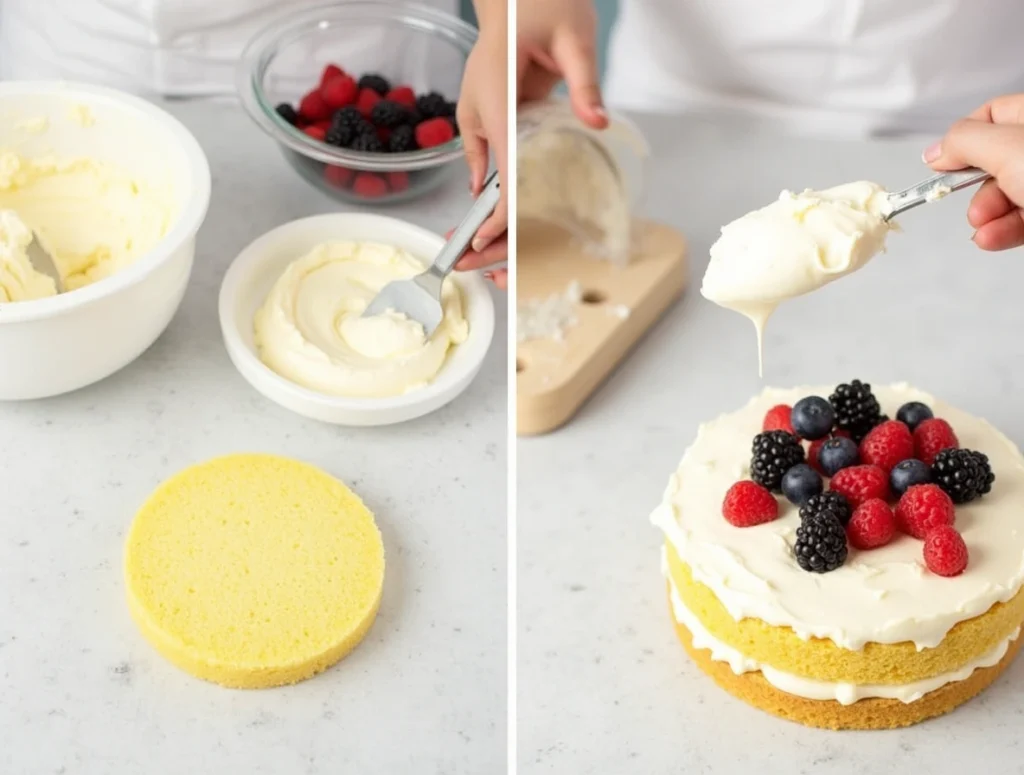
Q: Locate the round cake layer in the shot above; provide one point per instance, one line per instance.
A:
(885, 595)
(865, 714)
(253, 570)
(822, 660)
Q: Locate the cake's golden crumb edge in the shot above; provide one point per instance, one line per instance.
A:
(874, 713)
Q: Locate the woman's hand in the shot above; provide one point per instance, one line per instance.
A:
(557, 40)
(992, 138)
(483, 122)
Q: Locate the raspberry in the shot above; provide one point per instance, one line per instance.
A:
(330, 73)
(399, 181)
(403, 95)
(316, 131)
(338, 176)
(435, 131)
(369, 186)
(365, 101)
(872, 524)
(931, 437)
(339, 92)
(778, 418)
(945, 552)
(923, 507)
(861, 483)
(815, 448)
(887, 444)
(313, 107)
(748, 503)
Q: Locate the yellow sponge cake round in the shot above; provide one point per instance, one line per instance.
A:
(254, 571)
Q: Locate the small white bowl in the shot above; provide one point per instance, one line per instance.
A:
(256, 269)
(61, 343)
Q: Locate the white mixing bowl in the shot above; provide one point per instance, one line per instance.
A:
(257, 268)
(62, 343)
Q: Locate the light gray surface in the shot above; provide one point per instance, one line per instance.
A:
(604, 686)
(82, 692)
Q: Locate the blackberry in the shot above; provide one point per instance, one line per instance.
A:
(820, 543)
(857, 409)
(434, 105)
(369, 143)
(774, 453)
(288, 113)
(829, 501)
(378, 83)
(389, 114)
(963, 473)
(402, 139)
(346, 126)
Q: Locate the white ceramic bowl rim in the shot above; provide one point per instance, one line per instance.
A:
(473, 350)
(185, 226)
(255, 59)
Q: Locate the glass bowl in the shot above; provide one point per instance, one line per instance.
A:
(407, 43)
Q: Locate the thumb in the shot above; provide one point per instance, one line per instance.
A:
(996, 148)
(577, 59)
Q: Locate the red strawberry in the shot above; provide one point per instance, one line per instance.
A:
(339, 91)
(403, 95)
(871, 525)
(399, 181)
(748, 503)
(945, 552)
(861, 483)
(316, 131)
(330, 72)
(369, 185)
(313, 107)
(365, 101)
(931, 437)
(434, 131)
(923, 507)
(887, 444)
(778, 418)
(815, 448)
(337, 176)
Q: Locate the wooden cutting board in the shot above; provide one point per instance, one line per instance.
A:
(555, 377)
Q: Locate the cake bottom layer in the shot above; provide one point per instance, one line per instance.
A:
(874, 713)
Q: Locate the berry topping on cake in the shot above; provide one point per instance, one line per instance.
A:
(856, 408)
(887, 444)
(906, 474)
(861, 483)
(945, 552)
(835, 454)
(800, 483)
(829, 501)
(963, 473)
(872, 525)
(377, 83)
(747, 504)
(778, 418)
(820, 543)
(813, 418)
(774, 453)
(922, 508)
(913, 413)
(931, 437)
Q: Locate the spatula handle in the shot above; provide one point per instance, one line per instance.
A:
(463, 235)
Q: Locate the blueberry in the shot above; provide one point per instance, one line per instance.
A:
(913, 414)
(800, 483)
(812, 418)
(837, 454)
(908, 473)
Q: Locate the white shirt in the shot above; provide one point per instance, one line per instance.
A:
(176, 48)
(840, 67)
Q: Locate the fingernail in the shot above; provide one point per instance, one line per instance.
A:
(600, 111)
(932, 152)
(489, 275)
(479, 243)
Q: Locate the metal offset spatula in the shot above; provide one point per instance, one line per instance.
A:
(419, 297)
(934, 188)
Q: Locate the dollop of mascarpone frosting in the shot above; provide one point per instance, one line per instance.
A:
(885, 595)
(310, 329)
(94, 219)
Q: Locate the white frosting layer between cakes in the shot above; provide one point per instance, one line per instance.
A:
(884, 595)
(843, 693)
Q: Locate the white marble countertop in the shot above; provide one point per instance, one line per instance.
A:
(604, 686)
(83, 693)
